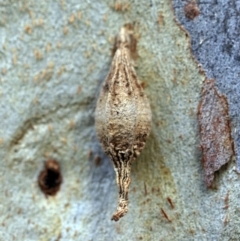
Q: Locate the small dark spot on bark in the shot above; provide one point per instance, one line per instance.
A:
(191, 231)
(228, 47)
(50, 178)
(237, 57)
(98, 160)
(106, 87)
(143, 85)
(191, 10)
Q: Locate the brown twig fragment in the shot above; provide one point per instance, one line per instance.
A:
(215, 131)
(123, 115)
(145, 189)
(226, 201)
(170, 202)
(165, 215)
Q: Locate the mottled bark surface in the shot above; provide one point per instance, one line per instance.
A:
(54, 55)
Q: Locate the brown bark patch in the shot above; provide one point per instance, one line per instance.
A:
(215, 131)
(191, 10)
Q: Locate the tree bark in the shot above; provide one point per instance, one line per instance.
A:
(54, 56)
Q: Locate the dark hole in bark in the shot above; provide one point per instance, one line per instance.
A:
(50, 178)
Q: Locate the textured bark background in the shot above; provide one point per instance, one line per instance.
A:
(54, 56)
